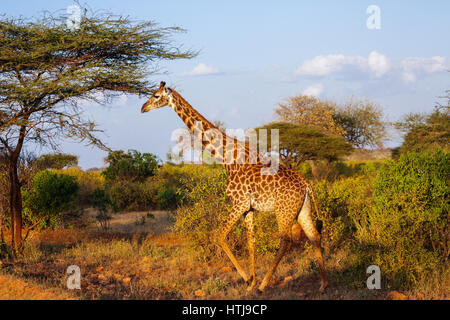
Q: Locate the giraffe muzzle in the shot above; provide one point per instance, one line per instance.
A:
(145, 108)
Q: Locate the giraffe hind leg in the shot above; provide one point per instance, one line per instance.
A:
(306, 222)
(250, 227)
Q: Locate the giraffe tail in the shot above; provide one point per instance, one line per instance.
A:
(319, 223)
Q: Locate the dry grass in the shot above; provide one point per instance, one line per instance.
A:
(16, 289)
(146, 261)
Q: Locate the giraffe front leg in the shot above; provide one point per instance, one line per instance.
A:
(234, 216)
(250, 227)
(284, 247)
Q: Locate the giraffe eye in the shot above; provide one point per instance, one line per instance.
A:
(156, 97)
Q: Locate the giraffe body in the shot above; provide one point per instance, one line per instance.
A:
(284, 192)
(259, 192)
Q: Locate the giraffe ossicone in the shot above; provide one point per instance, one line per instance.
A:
(283, 191)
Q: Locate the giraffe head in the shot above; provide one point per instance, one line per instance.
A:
(160, 98)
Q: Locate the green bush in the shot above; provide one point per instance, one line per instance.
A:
(169, 199)
(267, 239)
(411, 219)
(131, 166)
(344, 207)
(205, 209)
(164, 190)
(88, 182)
(103, 204)
(50, 196)
(133, 196)
(394, 215)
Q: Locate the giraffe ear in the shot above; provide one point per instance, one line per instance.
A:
(169, 91)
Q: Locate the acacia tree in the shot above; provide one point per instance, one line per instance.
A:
(3, 194)
(423, 132)
(46, 69)
(56, 161)
(299, 143)
(310, 111)
(359, 121)
(362, 122)
(130, 166)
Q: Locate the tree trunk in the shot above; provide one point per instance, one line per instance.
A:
(2, 214)
(15, 205)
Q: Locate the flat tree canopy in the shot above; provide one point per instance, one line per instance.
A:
(56, 161)
(298, 143)
(46, 69)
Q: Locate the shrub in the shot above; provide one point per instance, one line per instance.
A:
(205, 209)
(131, 166)
(163, 190)
(411, 219)
(103, 204)
(50, 195)
(132, 196)
(169, 199)
(88, 182)
(394, 215)
(267, 239)
(204, 212)
(344, 207)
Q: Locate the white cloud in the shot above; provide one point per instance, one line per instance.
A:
(314, 90)
(377, 64)
(324, 65)
(413, 67)
(409, 77)
(201, 70)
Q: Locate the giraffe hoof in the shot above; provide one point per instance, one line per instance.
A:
(251, 285)
(261, 289)
(323, 287)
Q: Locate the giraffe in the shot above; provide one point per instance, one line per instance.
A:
(284, 192)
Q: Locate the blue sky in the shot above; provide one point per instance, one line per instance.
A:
(254, 54)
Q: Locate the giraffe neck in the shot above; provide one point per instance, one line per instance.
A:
(188, 114)
(191, 117)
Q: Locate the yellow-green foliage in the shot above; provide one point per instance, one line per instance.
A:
(88, 182)
(266, 233)
(164, 190)
(344, 206)
(205, 210)
(394, 215)
(411, 220)
(134, 196)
